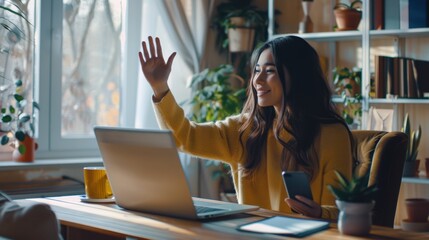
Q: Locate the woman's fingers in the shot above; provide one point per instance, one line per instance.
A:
(145, 51)
(296, 205)
(155, 49)
(142, 62)
(305, 200)
(158, 48)
(170, 60)
(151, 47)
(305, 206)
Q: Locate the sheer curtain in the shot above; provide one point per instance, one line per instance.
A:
(182, 27)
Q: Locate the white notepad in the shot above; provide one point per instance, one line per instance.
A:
(297, 227)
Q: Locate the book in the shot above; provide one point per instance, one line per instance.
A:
(287, 226)
(421, 74)
(377, 14)
(418, 13)
(412, 86)
(380, 76)
(392, 15)
(403, 14)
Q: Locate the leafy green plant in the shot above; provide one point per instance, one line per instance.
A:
(355, 190)
(15, 122)
(414, 139)
(255, 18)
(12, 14)
(355, 5)
(214, 98)
(347, 84)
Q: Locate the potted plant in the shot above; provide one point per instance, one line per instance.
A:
(16, 116)
(347, 84)
(216, 97)
(411, 163)
(348, 16)
(239, 25)
(218, 93)
(19, 125)
(355, 200)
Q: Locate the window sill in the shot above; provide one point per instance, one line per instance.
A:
(51, 163)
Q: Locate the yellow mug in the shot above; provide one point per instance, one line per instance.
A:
(97, 185)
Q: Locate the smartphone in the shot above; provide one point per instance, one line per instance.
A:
(297, 183)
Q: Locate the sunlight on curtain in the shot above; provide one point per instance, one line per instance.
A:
(153, 25)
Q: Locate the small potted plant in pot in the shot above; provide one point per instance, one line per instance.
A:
(411, 163)
(347, 83)
(355, 199)
(348, 16)
(18, 124)
(239, 25)
(16, 116)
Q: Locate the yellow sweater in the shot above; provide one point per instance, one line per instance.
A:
(220, 141)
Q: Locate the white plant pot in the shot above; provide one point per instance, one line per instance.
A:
(354, 218)
(242, 37)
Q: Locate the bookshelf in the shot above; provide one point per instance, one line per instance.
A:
(359, 48)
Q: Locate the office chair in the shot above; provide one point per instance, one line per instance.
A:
(383, 153)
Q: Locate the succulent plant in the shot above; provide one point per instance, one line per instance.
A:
(414, 139)
(356, 190)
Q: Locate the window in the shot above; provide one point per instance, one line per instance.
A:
(80, 71)
(86, 71)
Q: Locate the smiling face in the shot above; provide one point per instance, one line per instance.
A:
(267, 83)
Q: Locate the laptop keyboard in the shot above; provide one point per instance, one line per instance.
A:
(203, 209)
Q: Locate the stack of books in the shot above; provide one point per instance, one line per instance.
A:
(401, 77)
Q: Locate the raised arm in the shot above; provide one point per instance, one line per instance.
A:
(154, 67)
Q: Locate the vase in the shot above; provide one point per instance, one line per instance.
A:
(306, 25)
(355, 218)
(30, 147)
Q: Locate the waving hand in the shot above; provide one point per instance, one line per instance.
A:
(154, 67)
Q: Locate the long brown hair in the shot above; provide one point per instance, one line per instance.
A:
(306, 106)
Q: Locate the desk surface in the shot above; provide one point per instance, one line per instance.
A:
(112, 220)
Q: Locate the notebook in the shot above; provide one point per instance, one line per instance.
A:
(146, 175)
(287, 226)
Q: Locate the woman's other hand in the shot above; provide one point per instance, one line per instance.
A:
(305, 206)
(154, 67)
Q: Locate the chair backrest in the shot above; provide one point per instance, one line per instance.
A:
(383, 153)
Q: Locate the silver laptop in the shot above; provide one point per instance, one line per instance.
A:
(146, 175)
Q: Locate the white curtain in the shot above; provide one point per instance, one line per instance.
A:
(182, 26)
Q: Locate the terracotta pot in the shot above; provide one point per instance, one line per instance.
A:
(417, 209)
(347, 19)
(427, 167)
(30, 147)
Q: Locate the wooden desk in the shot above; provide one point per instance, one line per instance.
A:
(108, 221)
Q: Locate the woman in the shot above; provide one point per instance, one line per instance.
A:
(288, 124)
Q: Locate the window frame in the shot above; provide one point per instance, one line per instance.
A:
(47, 79)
